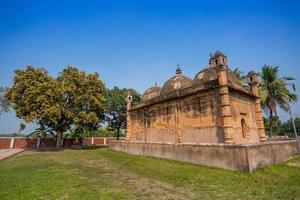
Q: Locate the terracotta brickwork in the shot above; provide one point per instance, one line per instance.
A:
(212, 108)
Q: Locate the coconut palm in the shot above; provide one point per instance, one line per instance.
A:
(276, 92)
(240, 77)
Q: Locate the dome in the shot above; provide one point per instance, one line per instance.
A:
(206, 75)
(252, 73)
(218, 53)
(178, 81)
(151, 93)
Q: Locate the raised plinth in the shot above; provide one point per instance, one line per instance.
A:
(228, 156)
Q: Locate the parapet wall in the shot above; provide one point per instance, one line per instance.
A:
(246, 157)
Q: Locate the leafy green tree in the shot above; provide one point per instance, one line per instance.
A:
(277, 125)
(73, 98)
(4, 102)
(116, 107)
(83, 97)
(287, 127)
(276, 92)
(105, 132)
(36, 97)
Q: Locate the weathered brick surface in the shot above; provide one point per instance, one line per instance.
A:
(212, 108)
(243, 157)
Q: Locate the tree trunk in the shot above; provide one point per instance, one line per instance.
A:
(58, 140)
(42, 140)
(270, 123)
(118, 133)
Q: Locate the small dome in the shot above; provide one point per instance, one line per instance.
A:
(218, 53)
(151, 93)
(178, 81)
(252, 73)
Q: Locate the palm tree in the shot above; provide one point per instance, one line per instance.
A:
(22, 126)
(240, 77)
(275, 91)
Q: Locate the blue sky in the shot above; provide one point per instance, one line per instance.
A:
(135, 43)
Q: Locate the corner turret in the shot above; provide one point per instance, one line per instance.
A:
(253, 82)
(218, 59)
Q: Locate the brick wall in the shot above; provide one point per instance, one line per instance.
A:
(4, 143)
(48, 143)
(243, 157)
(22, 143)
(31, 143)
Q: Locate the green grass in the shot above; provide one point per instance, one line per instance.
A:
(105, 174)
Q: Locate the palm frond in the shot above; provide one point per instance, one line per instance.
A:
(276, 91)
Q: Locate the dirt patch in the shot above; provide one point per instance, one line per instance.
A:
(144, 188)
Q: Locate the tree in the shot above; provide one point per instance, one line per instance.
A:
(277, 125)
(74, 97)
(36, 97)
(74, 132)
(83, 97)
(22, 126)
(4, 103)
(287, 127)
(240, 76)
(116, 107)
(275, 92)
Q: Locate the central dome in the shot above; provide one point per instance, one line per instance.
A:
(178, 81)
(206, 75)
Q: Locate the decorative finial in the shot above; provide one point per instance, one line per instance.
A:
(210, 54)
(178, 70)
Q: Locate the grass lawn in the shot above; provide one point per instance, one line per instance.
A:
(105, 174)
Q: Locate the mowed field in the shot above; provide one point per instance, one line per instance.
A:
(105, 174)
